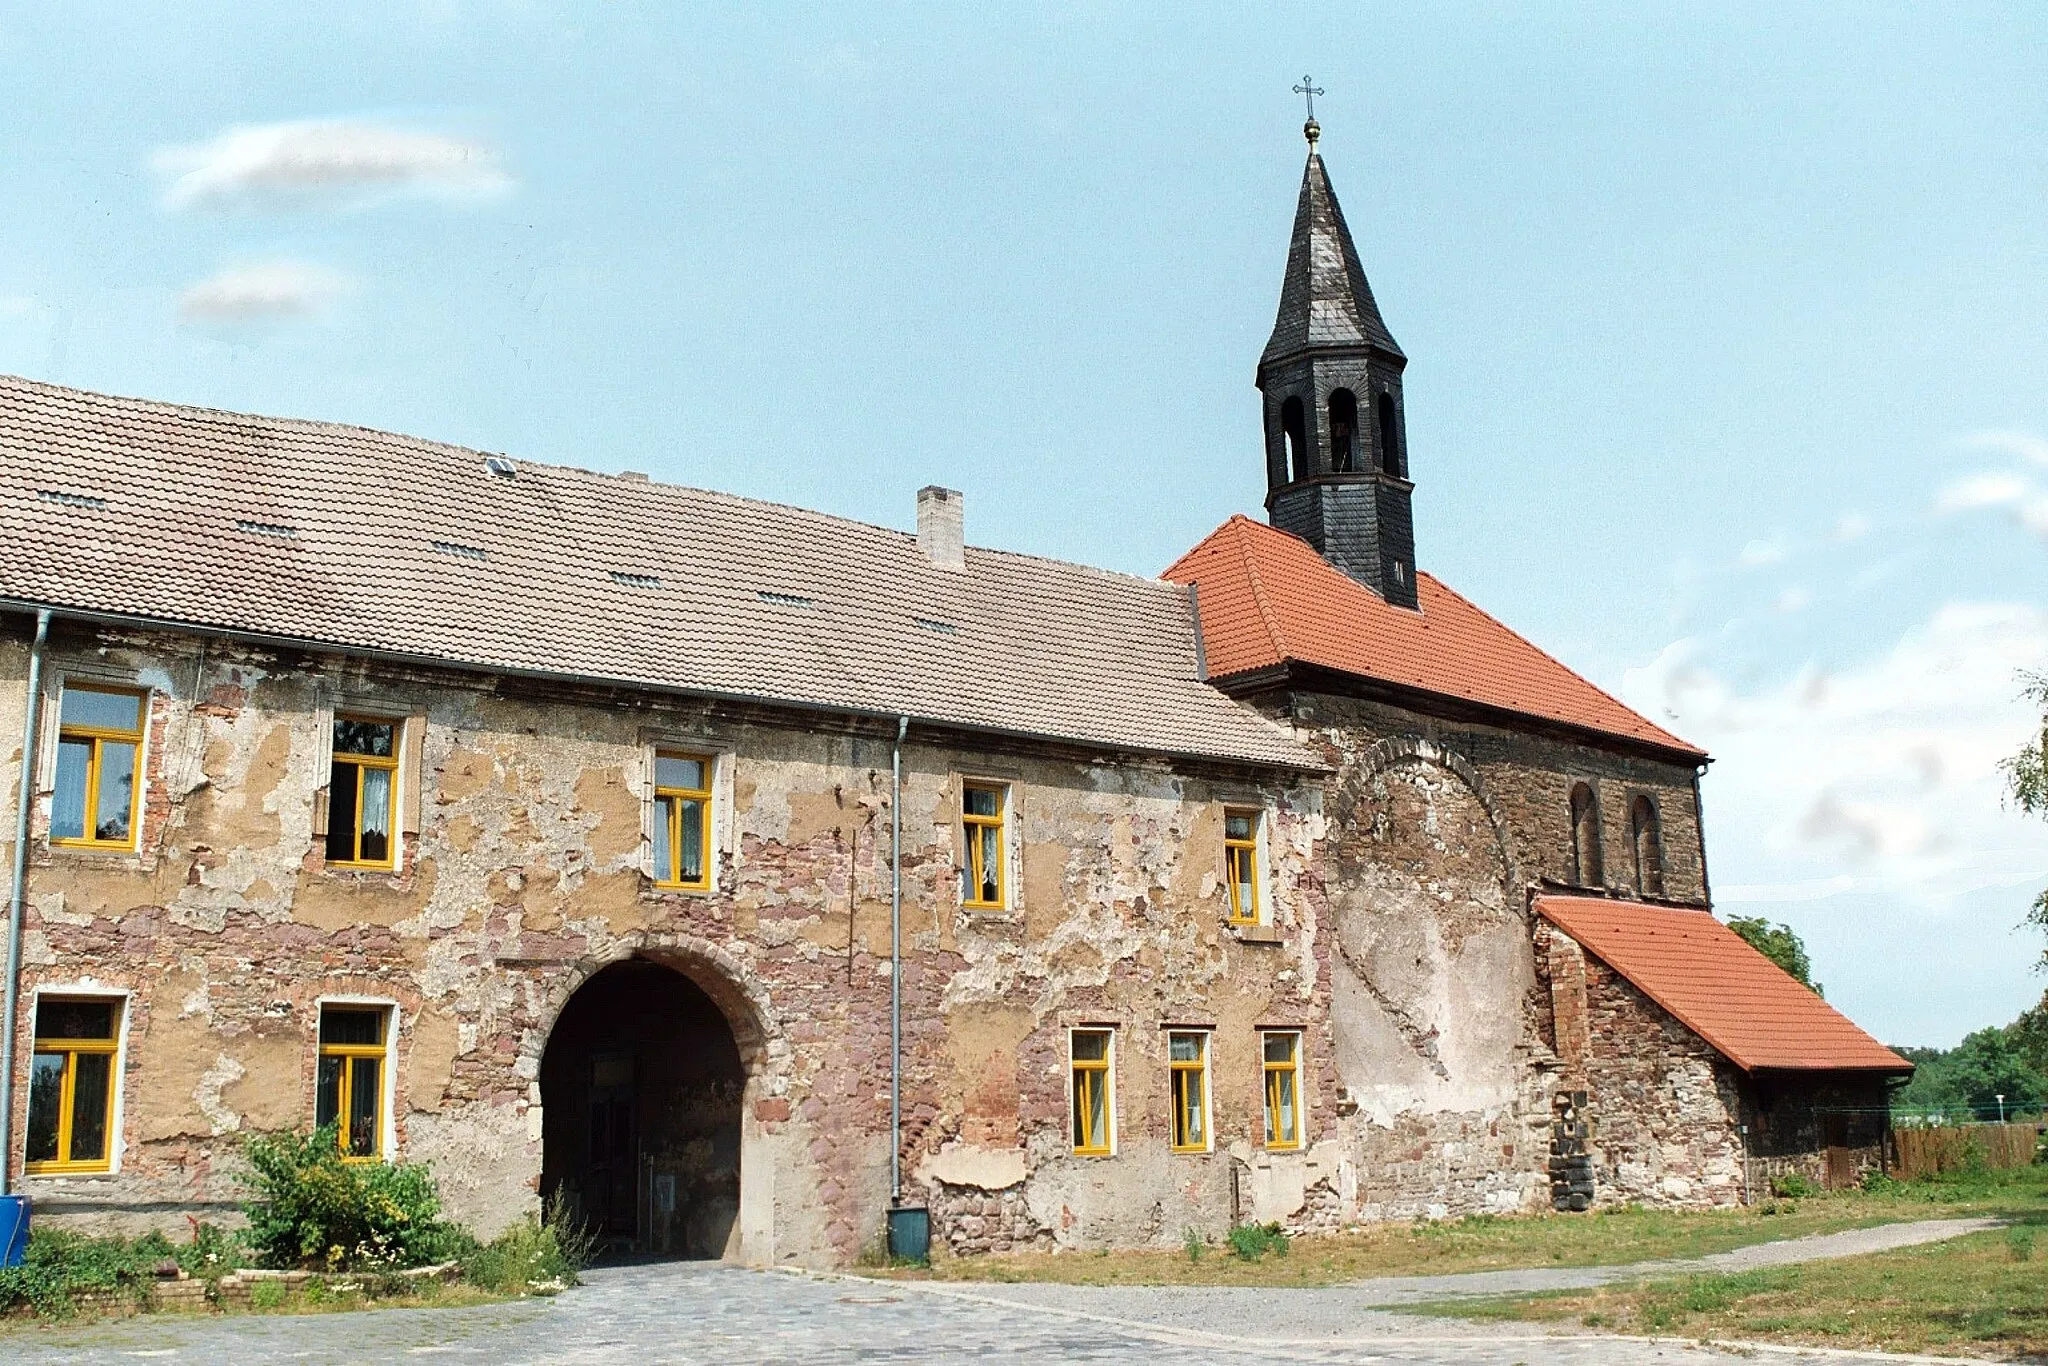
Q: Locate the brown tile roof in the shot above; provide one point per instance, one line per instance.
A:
(1268, 599)
(362, 539)
(1720, 988)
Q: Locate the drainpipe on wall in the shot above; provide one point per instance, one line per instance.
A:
(895, 964)
(11, 1009)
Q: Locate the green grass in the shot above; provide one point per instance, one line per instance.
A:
(1488, 1243)
(1984, 1293)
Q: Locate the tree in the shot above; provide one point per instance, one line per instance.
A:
(1973, 1075)
(1779, 944)
(2026, 778)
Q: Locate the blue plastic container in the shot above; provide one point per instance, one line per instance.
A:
(13, 1229)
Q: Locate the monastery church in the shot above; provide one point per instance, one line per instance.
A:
(727, 875)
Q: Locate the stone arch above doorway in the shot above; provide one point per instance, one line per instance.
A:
(721, 975)
(651, 1070)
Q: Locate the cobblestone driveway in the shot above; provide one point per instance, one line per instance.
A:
(683, 1312)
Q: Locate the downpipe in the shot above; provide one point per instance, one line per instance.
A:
(895, 964)
(10, 1012)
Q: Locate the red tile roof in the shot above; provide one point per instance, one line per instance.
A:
(1267, 599)
(1746, 1006)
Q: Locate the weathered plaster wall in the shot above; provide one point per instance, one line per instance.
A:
(521, 876)
(1445, 1058)
(1399, 945)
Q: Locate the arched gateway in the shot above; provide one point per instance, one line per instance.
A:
(643, 1085)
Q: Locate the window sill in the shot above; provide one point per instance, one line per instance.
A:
(65, 1173)
(658, 891)
(364, 875)
(1255, 934)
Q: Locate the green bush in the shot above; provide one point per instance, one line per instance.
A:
(530, 1256)
(1252, 1241)
(60, 1266)
(1793, 1186)
(314, 1209)
(1192, 1243)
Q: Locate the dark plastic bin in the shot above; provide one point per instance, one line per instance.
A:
(13, 1229)
(910, 1233)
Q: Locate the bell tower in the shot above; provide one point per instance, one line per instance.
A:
(1336, 441)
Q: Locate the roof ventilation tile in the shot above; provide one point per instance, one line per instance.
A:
(72, 500)
(944, 628)
(467, 552)
(500, 467)
(276, 529)
(785, 599)
(635, 580)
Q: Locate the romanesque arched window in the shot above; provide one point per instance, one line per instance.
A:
(1343, 430)
(1647, 834)
(1586, 870)
(1294, 428)
(1390, 437)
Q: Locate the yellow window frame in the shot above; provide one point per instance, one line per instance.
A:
(350, 1054)
(100, 735)
(1188, 1093)
(68, 1095)
(359, 763)
(1278, 1075)
(668, 808)
(1092, 1078)
(1241, 864)
(973, 826)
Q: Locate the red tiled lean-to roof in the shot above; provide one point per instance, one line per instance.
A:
(1750, 1009)
(1268, 599)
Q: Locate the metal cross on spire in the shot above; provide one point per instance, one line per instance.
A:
(1308, 90)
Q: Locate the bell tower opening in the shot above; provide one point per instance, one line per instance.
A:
(641, 1087)
(1390, 436)
(1294, 431)
(1343, 429)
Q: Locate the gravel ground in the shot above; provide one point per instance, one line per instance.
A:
(684, 1312)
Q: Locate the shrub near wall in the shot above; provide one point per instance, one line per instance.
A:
(314, 1210)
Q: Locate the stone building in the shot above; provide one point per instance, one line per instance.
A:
(560, 829)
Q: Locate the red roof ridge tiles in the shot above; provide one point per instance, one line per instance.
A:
(1268, 600)
(1713, 982)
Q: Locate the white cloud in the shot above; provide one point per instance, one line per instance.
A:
(1795, 599)
(1991, 490)
(1759, 553)
(1851, 526)
(326, 164)
(264, 292)
(1885, 774)
(2025, 445)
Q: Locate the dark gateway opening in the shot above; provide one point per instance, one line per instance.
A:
(640, 1089)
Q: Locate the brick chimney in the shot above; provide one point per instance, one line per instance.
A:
(941, 526)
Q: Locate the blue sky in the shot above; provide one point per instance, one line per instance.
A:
(1728, 377)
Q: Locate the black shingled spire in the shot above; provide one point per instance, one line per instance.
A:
(1336, 442)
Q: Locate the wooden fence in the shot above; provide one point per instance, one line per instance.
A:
(1953, 1148)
